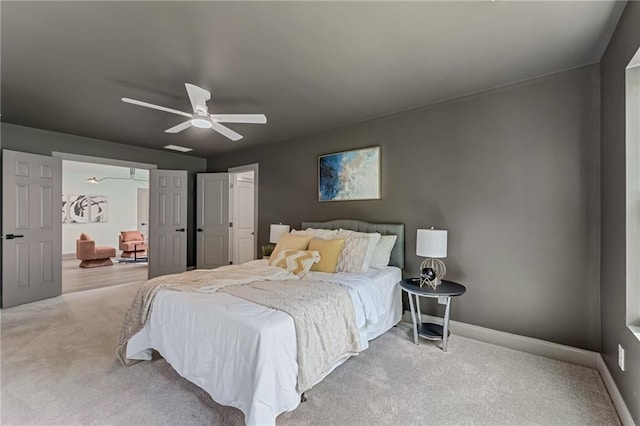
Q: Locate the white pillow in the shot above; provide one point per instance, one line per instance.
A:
(321, 234)
(382, 253)
(358, 250)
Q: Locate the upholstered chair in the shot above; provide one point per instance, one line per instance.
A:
(132, 244)
(92, 256)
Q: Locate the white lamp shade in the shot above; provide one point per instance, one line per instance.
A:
(277, 231)
(431, 243)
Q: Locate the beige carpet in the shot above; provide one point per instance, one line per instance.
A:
(58, 367)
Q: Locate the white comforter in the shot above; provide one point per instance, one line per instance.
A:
(244, 354)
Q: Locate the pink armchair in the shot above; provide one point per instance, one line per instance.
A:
(132, 244)
(91, 255)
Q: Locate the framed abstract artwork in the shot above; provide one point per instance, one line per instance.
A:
(78, 208)
(84, 208)
(98, 209)
(65, 209)
(349, 175)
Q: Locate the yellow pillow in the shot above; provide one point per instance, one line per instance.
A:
(292, 242)
(296, 261)
(329, 252)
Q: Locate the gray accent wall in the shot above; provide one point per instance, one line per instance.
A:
(44, 142)
(512, 173)
(623, 45)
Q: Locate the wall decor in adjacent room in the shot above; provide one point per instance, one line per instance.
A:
(84, 208)
(98, 209)
(349, 175)
(78, 207)
(65, 209)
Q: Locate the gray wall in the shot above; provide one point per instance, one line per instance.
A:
(512, 173)
(624, 43)
(38, 141)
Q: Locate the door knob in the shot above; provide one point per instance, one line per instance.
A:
(180, 230)
(200, 230)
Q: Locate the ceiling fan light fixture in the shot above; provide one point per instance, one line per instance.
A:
(201, 122)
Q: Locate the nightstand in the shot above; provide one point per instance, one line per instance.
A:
(445, 291)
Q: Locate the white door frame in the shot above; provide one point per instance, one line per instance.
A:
(254, 168)
(103, 160)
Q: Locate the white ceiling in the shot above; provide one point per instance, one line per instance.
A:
(309, 66)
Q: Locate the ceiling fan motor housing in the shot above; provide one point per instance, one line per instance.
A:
(201, 121)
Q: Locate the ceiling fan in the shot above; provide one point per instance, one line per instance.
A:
(201, 117)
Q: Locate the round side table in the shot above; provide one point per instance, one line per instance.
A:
(427, 330)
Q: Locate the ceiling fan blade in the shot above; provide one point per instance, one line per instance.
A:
(198, 97)
(240, 118)
(161, 108)
(180, 127)
(225, 131)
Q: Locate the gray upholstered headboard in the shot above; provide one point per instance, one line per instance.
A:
(397, 254)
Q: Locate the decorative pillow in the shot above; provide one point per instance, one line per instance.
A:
(320, 234)
(382, 252)
(358, 250)
(84, 237)
(297, 261)
(292, 242)
(329, 252)
(131, 236)
(299, 232)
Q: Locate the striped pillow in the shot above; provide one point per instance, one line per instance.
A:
(296, 261)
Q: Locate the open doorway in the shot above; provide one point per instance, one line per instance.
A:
(242, 211)
(104, 224)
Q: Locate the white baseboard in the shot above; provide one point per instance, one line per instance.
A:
(614, 393)
(517, 342)
(543, 348)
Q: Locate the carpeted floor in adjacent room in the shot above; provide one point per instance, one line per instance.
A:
(59, 367)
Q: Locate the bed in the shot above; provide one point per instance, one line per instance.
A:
(245, 354)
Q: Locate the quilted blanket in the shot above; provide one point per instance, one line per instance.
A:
(324, 319)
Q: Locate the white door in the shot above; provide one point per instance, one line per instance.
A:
(243, 232)
(32, 225)
(212, 218)
(167, 222)
(143, 211)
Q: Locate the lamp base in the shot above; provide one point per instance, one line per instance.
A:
(431, 272)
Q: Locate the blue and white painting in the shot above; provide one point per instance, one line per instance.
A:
(349, 175)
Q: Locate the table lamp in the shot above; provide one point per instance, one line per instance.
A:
(432, 244)
(277, 231)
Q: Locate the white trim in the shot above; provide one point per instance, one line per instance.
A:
(102, 160)
(519, 343)
(614, 393)
(254, 167)
(543, 348)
